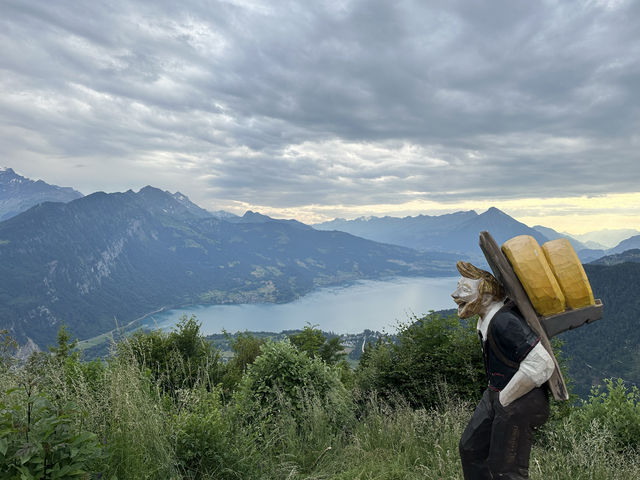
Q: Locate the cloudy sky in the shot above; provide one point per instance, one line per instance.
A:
(337, 108)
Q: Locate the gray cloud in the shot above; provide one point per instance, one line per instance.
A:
(290, 103)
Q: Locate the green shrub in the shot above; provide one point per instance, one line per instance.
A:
(208, 444)
(282, 378)
(67, 375)
(312, 341)
(180, 359)
(40, 441)
(432, 358)
(617, 409)
(246, 349)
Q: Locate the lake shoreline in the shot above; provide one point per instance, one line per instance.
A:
(166, 317)
(348, 299)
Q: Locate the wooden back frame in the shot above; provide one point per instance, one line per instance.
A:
(545, 328)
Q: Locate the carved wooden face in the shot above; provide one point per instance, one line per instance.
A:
(467, 297)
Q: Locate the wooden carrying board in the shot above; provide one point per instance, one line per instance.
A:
(545, 327)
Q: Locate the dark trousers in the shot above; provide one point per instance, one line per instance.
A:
(497, 440)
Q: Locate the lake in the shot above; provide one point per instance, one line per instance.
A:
(373, 305)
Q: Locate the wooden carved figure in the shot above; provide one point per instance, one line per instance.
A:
(497, 441)
(515, 337)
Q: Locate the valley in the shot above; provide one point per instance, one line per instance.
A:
(104, 265)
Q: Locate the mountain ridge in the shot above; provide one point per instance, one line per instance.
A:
(458, 232)
(631, 255)
(454, 232)
(627, 244)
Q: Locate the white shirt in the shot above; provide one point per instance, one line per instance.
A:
(483, 323)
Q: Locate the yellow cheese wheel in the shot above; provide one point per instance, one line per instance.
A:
(530, 264)
(569, 272)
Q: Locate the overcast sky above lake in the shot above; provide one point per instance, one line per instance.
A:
(322, 109)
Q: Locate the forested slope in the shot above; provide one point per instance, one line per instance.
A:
(609, 347)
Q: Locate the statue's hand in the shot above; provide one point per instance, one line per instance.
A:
(517, 387)
(504, 400)
(535, 369)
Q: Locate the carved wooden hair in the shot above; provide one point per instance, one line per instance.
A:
(488, 283)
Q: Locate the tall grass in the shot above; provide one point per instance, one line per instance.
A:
(579, 454)
(399, 442)
(136, 433)
(193, 433)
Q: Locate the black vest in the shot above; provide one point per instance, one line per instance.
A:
(509, 340)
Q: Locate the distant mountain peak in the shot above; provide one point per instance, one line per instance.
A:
(451, 232)
(223, 214)
(585, 252)
(172, 203)
(18, 193)
(256, 217)
(251, 214)
(495, 212)
(149, 189)
(180, 196)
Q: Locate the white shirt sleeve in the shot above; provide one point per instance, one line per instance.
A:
(538, 365)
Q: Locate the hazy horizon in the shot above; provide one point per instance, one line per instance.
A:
(606, 237)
